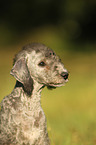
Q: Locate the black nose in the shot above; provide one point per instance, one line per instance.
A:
(65, 75)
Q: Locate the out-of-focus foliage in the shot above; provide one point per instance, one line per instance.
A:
(74, 19)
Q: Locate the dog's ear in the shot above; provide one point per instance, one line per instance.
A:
(21, 73)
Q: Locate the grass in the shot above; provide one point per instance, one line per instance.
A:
(70, 110)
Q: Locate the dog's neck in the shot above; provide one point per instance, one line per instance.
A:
(37, 88)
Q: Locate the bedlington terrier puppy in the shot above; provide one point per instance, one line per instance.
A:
(22, 120)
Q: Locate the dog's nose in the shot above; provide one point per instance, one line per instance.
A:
(65, 75)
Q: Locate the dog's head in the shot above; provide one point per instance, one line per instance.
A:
(38, 62)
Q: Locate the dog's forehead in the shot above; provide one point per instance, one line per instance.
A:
(35, 49)
(38, 48)
(47, 52)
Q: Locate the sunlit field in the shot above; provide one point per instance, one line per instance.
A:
(70, 110)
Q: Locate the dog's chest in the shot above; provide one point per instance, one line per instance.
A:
(30, 121)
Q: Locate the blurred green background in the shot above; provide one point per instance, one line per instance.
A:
(69, 28)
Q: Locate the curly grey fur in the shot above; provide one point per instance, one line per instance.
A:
(22, 120)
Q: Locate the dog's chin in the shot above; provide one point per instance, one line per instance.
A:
(51, 87)
(54, 86)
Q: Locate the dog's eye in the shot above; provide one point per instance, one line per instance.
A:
(42, 63)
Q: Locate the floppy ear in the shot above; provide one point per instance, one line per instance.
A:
(21, 73)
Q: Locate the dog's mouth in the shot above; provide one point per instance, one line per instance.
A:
(51, 85)
(58, 84)
(54, 86)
